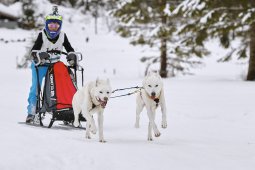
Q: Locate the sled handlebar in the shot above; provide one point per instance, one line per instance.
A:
(78, 54)
(79, 58)
(39, 61)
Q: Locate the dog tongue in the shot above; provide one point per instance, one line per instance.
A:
(103, 103)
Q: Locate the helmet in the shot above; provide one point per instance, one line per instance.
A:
(53, 23)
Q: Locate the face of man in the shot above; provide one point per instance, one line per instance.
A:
(53, 26)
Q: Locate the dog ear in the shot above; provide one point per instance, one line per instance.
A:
(157, 73)
(144, 81)
(108, 81)
(97, 81)
(149, 73)
(152, 72)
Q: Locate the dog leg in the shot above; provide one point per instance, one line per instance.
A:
(163, 110)
(76, 121)
(164, 122)
(88, 124)
(156, 132)
(76, 111)
(139, 108)
(151, 115)
(93, 128)
(150, 132)
(100, 127)
(87, 131)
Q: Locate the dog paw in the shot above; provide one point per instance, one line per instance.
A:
(102, 141)
(150, 139)
(76, 124)
(157, 134)
(137, 125)
(94, 131)
(164, 124)
(88, 137)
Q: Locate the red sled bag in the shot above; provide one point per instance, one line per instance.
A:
(59, 88)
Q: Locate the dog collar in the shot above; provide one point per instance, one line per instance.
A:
(156, 100)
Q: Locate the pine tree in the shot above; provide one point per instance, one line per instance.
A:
(28, 19)
(225, 20)
(151, 23)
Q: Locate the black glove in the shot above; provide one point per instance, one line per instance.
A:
(71, 58)
(44, 56)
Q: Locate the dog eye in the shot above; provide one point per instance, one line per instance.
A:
(108, 92)
(101, 92)
(156, 86)
(149, 85)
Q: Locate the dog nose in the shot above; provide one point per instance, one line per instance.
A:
(153, 94)
(105, 98)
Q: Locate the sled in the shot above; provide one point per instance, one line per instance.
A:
(60, 84)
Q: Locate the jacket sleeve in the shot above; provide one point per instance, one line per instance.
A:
(38, 42)
(67, 45)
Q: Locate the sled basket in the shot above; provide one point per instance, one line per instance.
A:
(59, 89)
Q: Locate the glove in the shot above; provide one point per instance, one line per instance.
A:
(44, 56)
(71, 58)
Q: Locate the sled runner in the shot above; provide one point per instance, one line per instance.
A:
(60, 126)
(54, 102)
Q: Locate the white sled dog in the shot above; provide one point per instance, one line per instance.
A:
(151, 96)
(90, 99)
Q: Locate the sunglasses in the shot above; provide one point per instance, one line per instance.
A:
(53, 26)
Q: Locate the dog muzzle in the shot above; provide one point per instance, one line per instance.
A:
(102, 102)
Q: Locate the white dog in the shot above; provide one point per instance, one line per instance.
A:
(92, 98)
(151, 96)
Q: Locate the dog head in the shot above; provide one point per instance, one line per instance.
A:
(102, 91)
(153, 84)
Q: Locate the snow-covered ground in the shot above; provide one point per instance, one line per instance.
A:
(211, 115)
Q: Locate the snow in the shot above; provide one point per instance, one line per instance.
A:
(206, 17)
(13, 10)
(210, 115)
(247, 15)
(187, 6)
(167, 10)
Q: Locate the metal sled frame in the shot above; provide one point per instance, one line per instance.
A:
(66, 115)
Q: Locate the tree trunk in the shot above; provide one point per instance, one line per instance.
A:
(163, 58)
(96, 16)
(251, 70)
(163, 48)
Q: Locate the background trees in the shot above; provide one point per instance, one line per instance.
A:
(176, 30)
(223, 20)
(153, 24)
